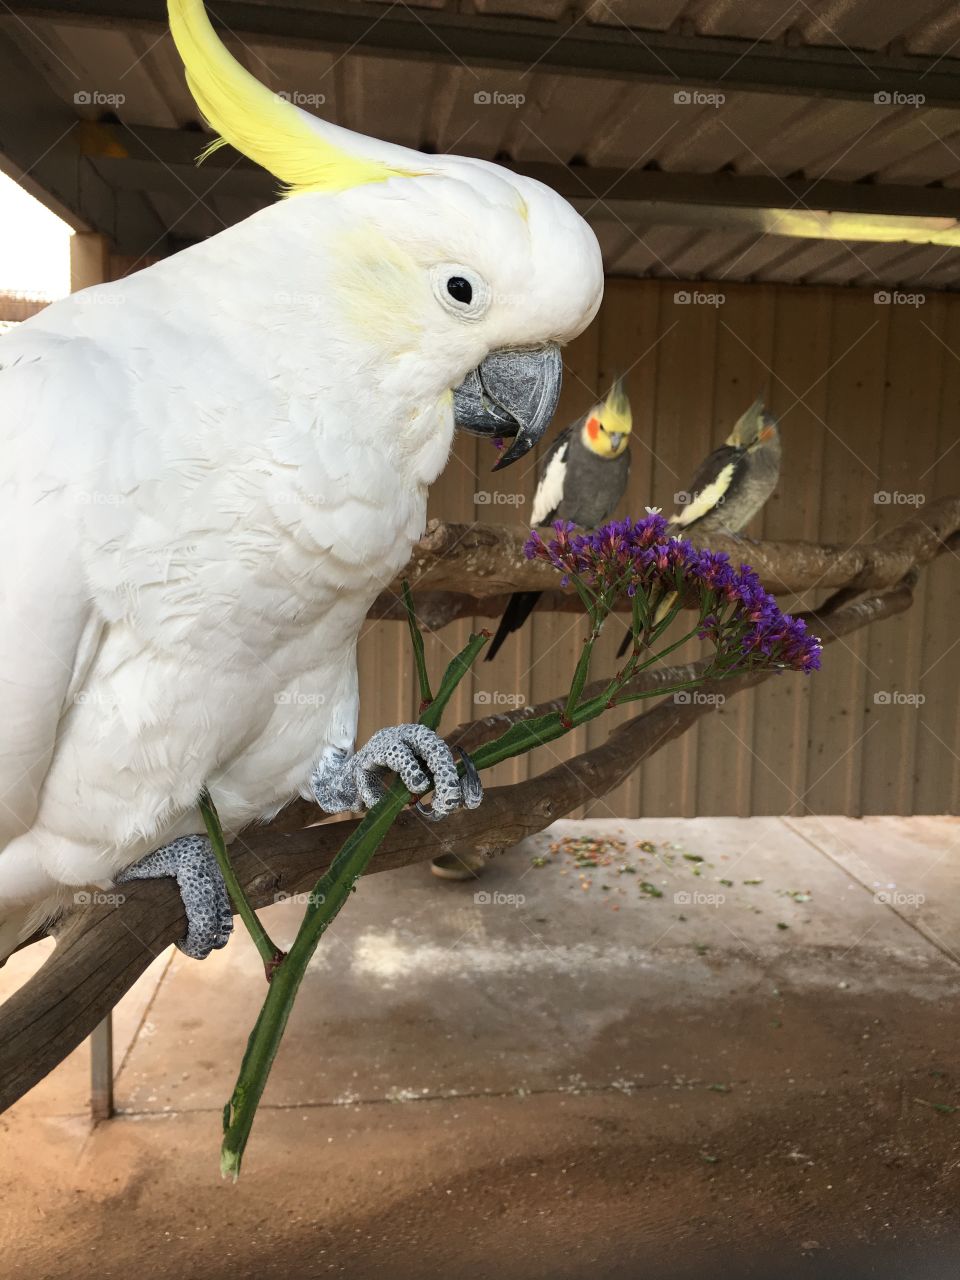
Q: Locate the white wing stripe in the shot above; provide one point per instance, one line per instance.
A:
(549, 493)
(708, 497)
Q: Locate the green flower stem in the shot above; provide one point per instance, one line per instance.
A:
(589, 601)
(527, 734)
(270, 953)
(330, 893)
(667, 621)
(639, 615)
(335, 886)
(709, 674)
(581, 673)
(662, 653)
(416, 637)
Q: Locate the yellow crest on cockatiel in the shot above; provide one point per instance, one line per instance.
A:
(606, 428)
(616, 412)
(260, 124)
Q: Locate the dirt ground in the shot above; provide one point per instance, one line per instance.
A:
(771, 1093)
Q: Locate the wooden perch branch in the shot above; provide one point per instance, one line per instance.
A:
(465, 570)
(102, 950)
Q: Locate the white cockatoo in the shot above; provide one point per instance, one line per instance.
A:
(211, 469)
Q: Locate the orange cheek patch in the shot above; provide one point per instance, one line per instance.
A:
(593, 428)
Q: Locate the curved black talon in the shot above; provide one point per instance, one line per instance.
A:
(472, 786)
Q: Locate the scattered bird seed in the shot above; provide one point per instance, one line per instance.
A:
(944, 1108)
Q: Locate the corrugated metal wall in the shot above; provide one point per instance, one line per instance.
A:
(869, 399)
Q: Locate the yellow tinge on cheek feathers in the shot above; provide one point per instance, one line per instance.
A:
(380, 290)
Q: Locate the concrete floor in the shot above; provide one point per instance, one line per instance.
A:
(735, 1043)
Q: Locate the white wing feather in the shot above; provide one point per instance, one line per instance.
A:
(707, 498)
(48, 628)
(549, 492)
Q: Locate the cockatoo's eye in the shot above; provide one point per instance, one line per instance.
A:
(460, 290)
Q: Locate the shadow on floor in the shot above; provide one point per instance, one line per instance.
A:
(631, 1048)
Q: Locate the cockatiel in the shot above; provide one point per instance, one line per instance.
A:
(206, 484)
(730, 486)
(583, 476)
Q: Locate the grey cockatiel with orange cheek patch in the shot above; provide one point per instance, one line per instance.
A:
(582, 478)
(205, 488)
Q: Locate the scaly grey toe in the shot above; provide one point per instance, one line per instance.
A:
(190, 861)
(417, 754)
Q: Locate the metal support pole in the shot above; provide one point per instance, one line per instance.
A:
(101, 1070)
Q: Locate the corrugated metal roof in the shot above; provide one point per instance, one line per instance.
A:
(563, 118)
(924, 26)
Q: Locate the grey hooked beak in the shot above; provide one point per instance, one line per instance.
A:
(512, 393)
(615, 437)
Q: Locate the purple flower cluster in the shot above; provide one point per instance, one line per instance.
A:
(738, 616)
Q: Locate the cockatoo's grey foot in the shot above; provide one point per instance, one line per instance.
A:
(419, 756)
(191, 863)
(471, 789)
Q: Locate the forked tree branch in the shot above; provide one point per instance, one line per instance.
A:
(467, 570)
(102, 950)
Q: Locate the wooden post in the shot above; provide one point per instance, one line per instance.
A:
(89, 260)
(90, 264)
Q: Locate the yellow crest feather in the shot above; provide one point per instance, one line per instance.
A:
(259, 123)
(616, 407)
